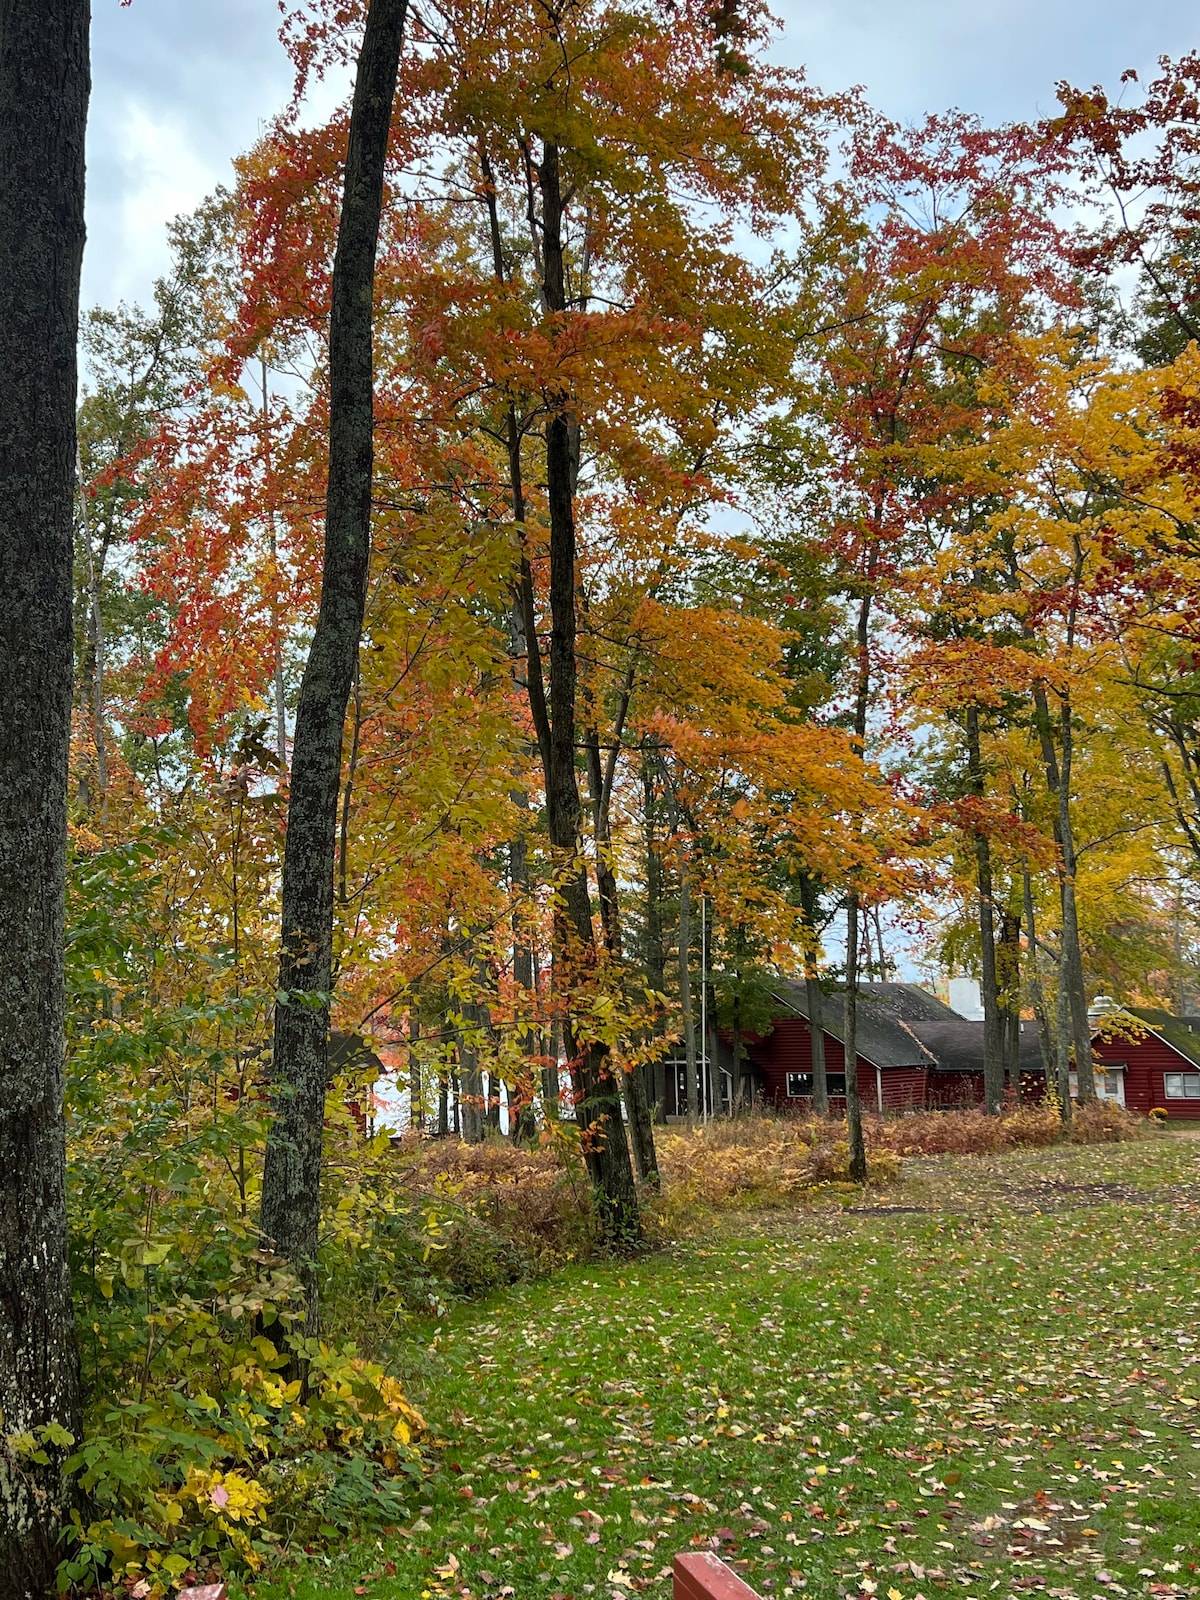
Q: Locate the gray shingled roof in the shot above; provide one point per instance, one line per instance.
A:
(957, 1046)
(903, 1025)
(908, 1002)
(882, 1037)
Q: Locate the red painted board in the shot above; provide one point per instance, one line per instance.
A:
(706, 1577)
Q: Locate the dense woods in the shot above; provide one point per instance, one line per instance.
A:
(632, 525)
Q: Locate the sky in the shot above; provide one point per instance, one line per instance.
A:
(180, 87)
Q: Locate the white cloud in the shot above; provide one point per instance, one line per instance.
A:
(183, 86)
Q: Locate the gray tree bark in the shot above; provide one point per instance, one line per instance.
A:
(596, 1092)
(686, 1008)
(862, 696)
(854, 1127)
(1070, 971)
(291, 1196)
(44, 85)
(993, 1045)
(815, 998)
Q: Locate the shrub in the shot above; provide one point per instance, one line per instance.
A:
(755, 1161)
(766, 1160)
(533, 1199)
(207, 1477)
(1104, 1122)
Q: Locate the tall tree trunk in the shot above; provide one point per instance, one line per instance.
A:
(655, 952)
(1008, 984)
(858, 1149)
(291, 1193)
(633, 1083)
(522, 1127)
(522, 1124)
(1070, 974)
(416, 1089)
(1062, 1047)
(691, 1090)
(862, 696)
(1081, 1032)
(814, 996)
(44, 87)
(1037, 987)
(596, 1092)
(470, 1090)
(551, 1073)
(993, 1047)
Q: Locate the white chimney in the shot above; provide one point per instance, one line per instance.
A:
(965, 999)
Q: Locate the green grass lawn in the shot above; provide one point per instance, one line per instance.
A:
(993, 1388)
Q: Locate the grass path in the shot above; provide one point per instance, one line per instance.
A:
(986, 1382)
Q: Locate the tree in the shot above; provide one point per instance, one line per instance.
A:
(291, 1194)
(944, 242)
(44, 84)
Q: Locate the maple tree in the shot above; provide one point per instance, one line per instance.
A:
(291, 1191)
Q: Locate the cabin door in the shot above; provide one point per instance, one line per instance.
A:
(1110, 1081)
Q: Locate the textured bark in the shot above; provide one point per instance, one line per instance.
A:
(1008, 984)
(1081, 1032)
(687, 1010)
(597, 1095)
(1062, 1048)
(654, 953)
(1070, 972)
(470, 1091)
(522, 1126)
(416, 1089)
(1037, 987)
(290, 1214)
(44, 87)
(993, 1045)
(633, 1082)
(862, 695)
(854, 1127)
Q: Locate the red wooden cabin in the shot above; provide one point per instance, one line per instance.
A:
(914, 1052)
(1150, 1060)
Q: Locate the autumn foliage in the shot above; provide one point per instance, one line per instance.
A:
(780, 527)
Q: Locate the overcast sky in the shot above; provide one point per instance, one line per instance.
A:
(181, 86)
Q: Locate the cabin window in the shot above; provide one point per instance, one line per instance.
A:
(1181, 1085)
(800, 1084)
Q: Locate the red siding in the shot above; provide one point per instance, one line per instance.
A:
(1146, 1059)
(951, 1091)
(788, 1048)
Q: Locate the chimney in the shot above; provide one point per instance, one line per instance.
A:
(1102, 1006)
(965, 999)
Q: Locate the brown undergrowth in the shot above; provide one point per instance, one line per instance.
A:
(763, 1160)
(502, 1212)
